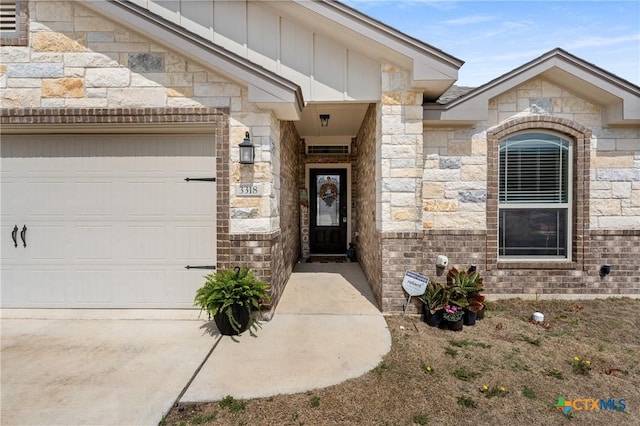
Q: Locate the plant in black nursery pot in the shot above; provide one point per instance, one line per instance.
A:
(229, 296)
(468, 284)
(453, 317)
(434, 298)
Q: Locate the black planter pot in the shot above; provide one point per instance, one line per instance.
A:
(453, 325)
(480, 314)
(433, 320)
(469, 317)
(224, 325)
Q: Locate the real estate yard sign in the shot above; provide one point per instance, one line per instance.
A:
(415, 285)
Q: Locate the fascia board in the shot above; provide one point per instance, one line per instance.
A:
(473, 106)
(271, 87)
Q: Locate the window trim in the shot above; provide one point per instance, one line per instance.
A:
(580, 137)
(568, 206)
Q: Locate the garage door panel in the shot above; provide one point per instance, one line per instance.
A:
(149, 242)
(111, 221)
(90, 200)
(194, 200)
(7, 246)
(147, 199)
(92, 243)
(42, 286)
(93, 287)
(46, 243)
(192, 248)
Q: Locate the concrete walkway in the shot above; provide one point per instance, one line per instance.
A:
(128, 367)
(326, 329)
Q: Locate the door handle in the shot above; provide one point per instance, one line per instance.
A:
(14, 236)
(23, 235)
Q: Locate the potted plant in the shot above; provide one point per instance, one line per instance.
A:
(434, 298)
(229, 296)
(452, 317)
(468, 285)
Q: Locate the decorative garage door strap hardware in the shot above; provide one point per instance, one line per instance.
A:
(14, 235)
(200, 267)
(23, 235)
(201, 179)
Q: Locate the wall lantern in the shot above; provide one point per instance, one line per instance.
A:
(324, 120)
(604, 270)
(247, 150)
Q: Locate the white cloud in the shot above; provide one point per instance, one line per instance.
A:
(602, 41)
(473, 19)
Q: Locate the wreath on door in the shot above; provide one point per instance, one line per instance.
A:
(328, 192)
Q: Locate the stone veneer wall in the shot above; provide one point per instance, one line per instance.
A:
(364, 175)
(399, 153)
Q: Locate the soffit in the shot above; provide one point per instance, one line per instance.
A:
(345, 119)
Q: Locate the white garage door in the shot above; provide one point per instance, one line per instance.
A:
(108, 221)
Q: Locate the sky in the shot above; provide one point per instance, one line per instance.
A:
(494, 37)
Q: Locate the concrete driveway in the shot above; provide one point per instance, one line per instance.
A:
(128, 367)
(90, 367)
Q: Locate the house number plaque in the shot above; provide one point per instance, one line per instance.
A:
(249, 190)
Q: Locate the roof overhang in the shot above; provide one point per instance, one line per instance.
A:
(265, 88)
(619, 99)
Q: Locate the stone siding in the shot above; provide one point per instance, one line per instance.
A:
(454, 180)
(399, 153)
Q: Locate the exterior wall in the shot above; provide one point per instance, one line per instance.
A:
(289, 211)
(460, 190)
(399, 153)
(459, 205)
(76, 60)
(368, 241)
(323, 67)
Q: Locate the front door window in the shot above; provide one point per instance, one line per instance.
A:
(328, 208)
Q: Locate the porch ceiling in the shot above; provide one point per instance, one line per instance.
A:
(345, 119)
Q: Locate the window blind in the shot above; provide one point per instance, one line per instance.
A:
(534, 168)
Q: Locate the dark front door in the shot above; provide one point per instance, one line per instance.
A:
(328, 210)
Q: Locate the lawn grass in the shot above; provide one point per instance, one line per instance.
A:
(505, 370)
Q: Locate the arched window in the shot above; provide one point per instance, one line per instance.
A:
(535, 197)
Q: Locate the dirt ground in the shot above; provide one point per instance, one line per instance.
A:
(505, 370)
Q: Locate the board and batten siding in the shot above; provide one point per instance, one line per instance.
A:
(325, 69)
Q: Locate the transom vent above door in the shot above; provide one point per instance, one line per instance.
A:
(328, 149)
